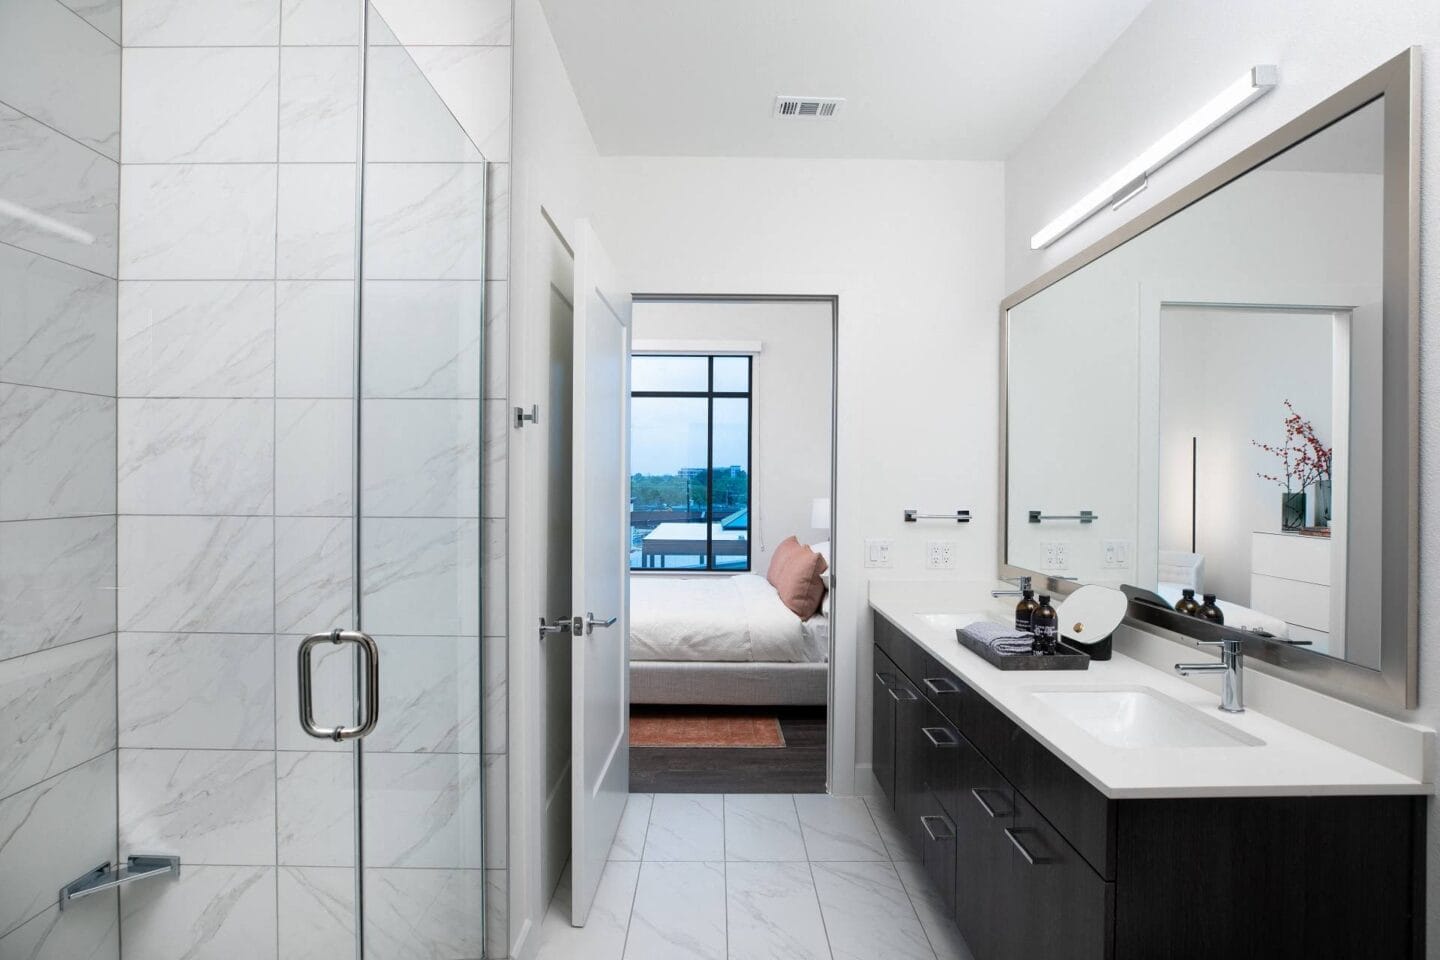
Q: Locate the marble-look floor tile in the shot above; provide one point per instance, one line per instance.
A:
(197, 338)
(679, 912)
(425, 221)
(772, 911)
(424, 913)
(314, 338)
(319, 97)
(57, 324)
(406, 121)
(896, 844)
(422, 338)
(418, 576)
(421, 458)
(315, 809)
(317, 913)
(868, 914)
(200, 105)
(634, 824)
(52, 833)
(686, 827)
(474, 83)
(201, 23)
(209, 913)
(62, 72)
(838, 828)
(57, 582)
(89, 929)
(103, 15)
(57, 454)
(316, 222)
(214, 574)
(57, 708)
(429, 695)
(313, 458)
(208, 221)
(333, 23)
(200, 457)
(211, 806)
(762, 827)
(934, 913)
(197, 691)
(603, 936)
(429, 22)
(422, 810)
(314, 586)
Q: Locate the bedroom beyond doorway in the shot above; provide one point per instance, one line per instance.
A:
(731, 498)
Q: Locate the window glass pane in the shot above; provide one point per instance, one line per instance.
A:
(732, 374)
(668, 457)
(670, 374)
(730, 539)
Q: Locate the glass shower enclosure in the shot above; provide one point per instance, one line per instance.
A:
(242, 265)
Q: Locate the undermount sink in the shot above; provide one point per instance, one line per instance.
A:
(1137, 717)
(949, 621)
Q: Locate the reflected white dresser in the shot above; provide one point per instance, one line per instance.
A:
(1290, 577)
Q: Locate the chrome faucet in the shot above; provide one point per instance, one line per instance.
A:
(1231, 668)
(1023, 582)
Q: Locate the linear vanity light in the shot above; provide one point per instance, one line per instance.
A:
(1130, 179)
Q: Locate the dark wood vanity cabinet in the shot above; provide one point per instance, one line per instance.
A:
(1039, 865)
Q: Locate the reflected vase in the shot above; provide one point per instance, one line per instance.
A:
(1321, 503)
(1292, 511)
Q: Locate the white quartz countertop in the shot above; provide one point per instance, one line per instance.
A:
(1288, 761)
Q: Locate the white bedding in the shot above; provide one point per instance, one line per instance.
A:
(735, 619)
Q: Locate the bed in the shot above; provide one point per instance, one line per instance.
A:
(724, 640)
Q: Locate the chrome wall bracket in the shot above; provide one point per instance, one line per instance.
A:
(108, 877)
(533, 417)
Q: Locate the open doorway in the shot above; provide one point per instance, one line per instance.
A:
(732, 467)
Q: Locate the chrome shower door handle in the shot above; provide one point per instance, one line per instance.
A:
(371, 697)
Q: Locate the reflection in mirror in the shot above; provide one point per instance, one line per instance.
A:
(1218, 382)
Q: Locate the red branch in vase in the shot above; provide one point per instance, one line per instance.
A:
(1304, 460)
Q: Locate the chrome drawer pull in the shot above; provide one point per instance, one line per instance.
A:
(903, 694)
(939, 737)
(989, 810)
(884, 679)
(940, 686)
(1030, 858)
(949, 827)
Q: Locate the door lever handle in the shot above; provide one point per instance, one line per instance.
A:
(591, 623)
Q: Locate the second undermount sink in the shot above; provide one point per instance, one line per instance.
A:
(949, 621)
(1135, 717)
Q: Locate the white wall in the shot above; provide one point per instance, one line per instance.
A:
(1172, 59)
(910, 250)
(790, 403)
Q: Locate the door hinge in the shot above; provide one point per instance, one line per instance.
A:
(521, 416)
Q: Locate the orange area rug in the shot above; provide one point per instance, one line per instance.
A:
(705, 730)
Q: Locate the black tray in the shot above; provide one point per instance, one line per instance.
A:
(1065, 656)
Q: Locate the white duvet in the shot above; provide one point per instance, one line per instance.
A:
(734, 619)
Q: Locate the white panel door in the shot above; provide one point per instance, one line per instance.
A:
(600, 719)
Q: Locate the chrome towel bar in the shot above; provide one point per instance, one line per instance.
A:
(1084, 516)
(959, 516)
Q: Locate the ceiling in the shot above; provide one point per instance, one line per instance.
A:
(924, 79)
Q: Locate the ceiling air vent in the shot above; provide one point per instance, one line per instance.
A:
(807, 108)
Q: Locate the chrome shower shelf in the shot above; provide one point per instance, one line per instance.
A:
(106, 877)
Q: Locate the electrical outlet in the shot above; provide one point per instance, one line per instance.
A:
(940, 555)
(877, 553)
(1115, 554)
(1057, 554)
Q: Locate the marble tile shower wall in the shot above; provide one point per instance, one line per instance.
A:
(59, 182)
(234, 465)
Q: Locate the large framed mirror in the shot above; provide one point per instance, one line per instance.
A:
(1221, 398)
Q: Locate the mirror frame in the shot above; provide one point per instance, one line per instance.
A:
(1396, 683)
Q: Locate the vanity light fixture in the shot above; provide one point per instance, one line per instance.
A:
(1130, 179)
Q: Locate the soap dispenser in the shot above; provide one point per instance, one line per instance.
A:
(1046, 624)
(1025, 612)
(1187, 603)
(1210, 610)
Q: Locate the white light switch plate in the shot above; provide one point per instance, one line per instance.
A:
(878, 553)
(1115, 554)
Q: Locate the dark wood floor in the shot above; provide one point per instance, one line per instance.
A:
(797, 767)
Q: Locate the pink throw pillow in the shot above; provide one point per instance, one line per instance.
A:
(795, 574)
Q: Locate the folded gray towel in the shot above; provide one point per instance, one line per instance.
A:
(1002, 639)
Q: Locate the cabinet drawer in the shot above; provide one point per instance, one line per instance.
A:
(1082, 814)
(882, 728)
(939, 686)
(937, 849)
(904, 652)
(939, 744)
(1071, 907)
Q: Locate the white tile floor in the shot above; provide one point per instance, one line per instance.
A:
(756, 877)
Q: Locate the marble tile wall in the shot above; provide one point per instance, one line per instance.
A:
(234, 463)
(59, 217)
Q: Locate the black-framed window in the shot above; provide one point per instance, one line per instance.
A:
(690, 462)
